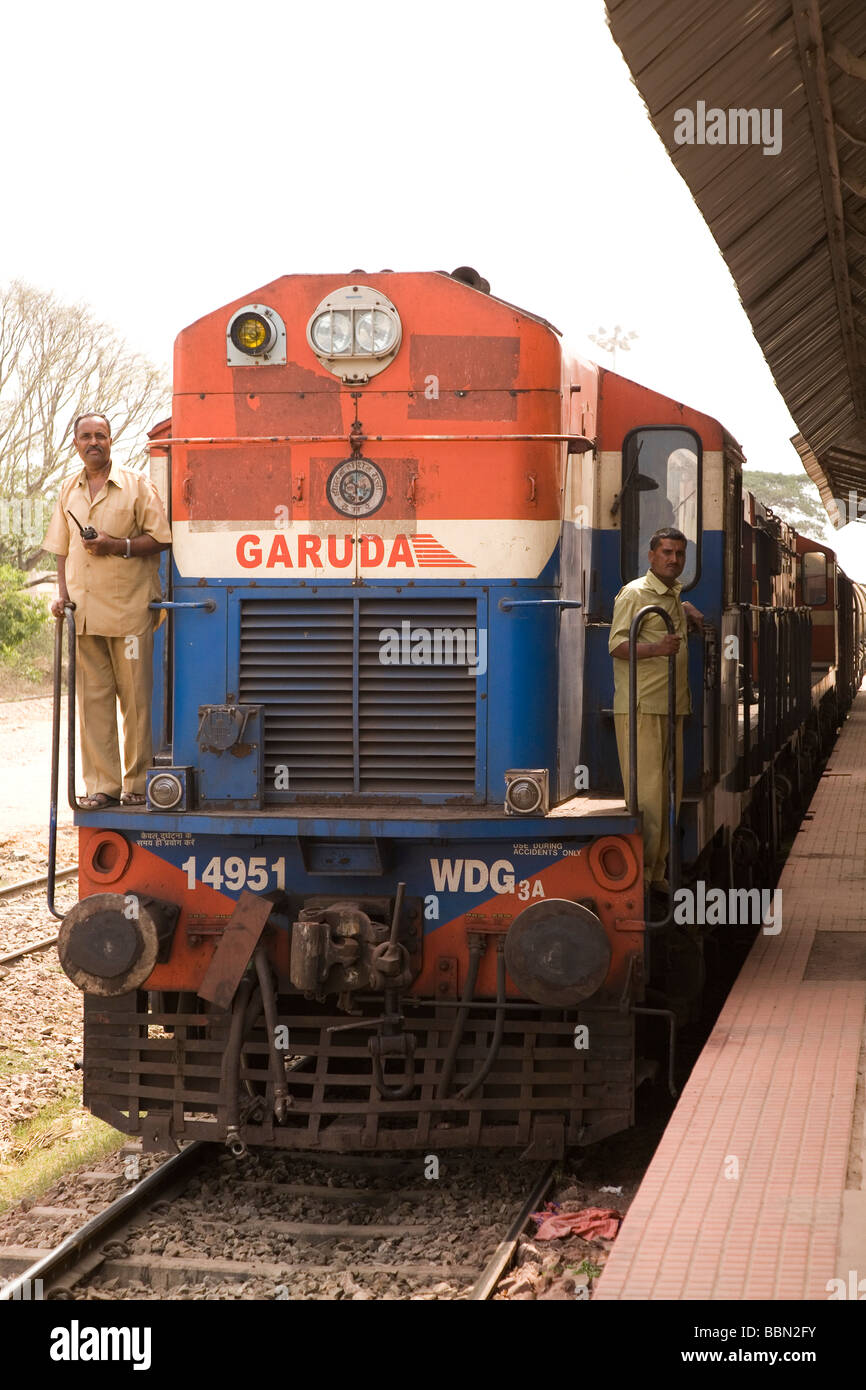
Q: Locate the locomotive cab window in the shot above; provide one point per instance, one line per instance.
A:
(814, 578)
(661, 486)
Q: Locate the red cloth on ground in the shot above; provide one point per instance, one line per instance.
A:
(593, 1223)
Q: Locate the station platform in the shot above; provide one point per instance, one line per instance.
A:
(756, 1190)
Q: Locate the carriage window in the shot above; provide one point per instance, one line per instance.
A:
(814, 577)
(661, 486)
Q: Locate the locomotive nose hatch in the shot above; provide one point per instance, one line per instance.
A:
(557, 952)
(109, 943)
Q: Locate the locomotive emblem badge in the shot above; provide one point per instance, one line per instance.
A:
(356, 487)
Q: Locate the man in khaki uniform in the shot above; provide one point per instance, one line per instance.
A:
(660, 585)
(111, 579)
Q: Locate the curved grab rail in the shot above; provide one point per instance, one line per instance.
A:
(67, 621)
(673, 872)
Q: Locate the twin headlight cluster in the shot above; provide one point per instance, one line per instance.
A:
(355, 332)
(347, 333)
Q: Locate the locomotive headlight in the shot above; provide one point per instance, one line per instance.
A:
(526, 792)
(165, 790)
(524, 795)
(375, 332)
(331, 333)
(359, 326)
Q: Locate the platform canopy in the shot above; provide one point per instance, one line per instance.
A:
(791, 225)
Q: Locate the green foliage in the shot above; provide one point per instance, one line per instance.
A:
(22, 616)
(793, 497)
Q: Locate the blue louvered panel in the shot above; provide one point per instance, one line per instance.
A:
(342, 722)
(297, 659)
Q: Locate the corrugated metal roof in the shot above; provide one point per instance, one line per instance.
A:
(791, 226)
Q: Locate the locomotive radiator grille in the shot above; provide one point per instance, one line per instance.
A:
(132, 1066)
(342, 716)
(297, 659)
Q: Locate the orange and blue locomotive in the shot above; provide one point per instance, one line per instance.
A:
(386, 892)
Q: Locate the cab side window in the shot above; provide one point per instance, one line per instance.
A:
(814, 577)
(661, 486)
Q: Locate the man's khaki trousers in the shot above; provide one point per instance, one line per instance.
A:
(111, 671)
(652, 783)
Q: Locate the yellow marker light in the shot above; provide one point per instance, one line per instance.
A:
(251, 333)
(255, 336)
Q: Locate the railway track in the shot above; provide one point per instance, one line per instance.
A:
(358, 1227)
(28, 885)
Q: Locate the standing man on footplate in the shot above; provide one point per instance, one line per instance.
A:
(660, 585)
(111, 578)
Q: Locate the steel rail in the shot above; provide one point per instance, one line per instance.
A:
(27, 883)
(78, 1256)
(51, 1268)
(485, 1285)
(28, 950)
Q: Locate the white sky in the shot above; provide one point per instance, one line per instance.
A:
(167, 157)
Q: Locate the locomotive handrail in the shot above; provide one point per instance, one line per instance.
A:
(156, 445)
(673, 872)
(209, 604)
(506, 604)
(746, 653)
(67, 621)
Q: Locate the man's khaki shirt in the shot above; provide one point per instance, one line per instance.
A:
(111, 593)
(652, 672)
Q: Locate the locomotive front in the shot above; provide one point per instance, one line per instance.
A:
(364, 908)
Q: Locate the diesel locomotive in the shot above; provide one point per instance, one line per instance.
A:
(387, 891)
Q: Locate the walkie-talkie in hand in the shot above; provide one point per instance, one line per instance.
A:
(88, 533)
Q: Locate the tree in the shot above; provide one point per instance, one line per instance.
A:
(20, 615)
(56, 360)
(792, 497)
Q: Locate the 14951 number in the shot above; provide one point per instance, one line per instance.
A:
(235, 873)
